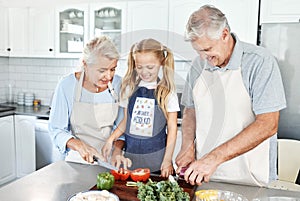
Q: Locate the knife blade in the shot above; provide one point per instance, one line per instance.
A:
(104, 164)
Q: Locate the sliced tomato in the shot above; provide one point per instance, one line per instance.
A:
(120, 174)
(140, 174)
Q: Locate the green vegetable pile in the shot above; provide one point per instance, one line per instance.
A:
(160, 191)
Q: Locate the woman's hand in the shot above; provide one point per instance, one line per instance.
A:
(106, 150)
(86, 151)
(166, 169)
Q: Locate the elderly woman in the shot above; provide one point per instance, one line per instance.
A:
(85, 106)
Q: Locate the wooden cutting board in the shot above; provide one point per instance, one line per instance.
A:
(129, 193)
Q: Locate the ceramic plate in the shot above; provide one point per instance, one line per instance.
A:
(93, 195)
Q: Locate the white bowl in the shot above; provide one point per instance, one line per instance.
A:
(89, 194)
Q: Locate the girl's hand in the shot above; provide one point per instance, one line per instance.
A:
(117, 160)
(166, 169)
(106, 150)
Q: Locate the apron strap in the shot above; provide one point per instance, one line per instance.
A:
(78, 87)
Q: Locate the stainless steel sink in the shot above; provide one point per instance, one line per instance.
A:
(5, 108)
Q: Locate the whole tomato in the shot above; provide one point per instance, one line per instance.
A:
(140, 174)
(120, 174)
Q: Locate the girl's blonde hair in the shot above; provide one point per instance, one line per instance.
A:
(165, 85)
(99, 46)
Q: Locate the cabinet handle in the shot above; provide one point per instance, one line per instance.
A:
(8, 49)
(50, 49)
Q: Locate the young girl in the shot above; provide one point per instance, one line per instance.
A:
(150, 108)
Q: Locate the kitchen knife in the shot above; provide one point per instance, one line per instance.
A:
(104, 164)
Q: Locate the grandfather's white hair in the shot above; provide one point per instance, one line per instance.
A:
(206, 21)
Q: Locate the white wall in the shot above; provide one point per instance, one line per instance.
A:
(3, 77)
(40, 75)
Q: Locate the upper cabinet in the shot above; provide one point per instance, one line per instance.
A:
(18, 32)
(147, 19)
(108, 19)
(280, 11)
(31, 32)
(242, 17)
(4, 31)
(71, 30)
(41, 32)
(62, 31)
(180, 12)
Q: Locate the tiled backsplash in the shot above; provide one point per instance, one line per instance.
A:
(41, 75)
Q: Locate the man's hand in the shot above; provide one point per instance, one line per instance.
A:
(201, 170)
(184, 158)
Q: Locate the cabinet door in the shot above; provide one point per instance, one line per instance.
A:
(7, 150)
(4, 31)
(109, 19)
(242, 17)
(25, 144)
(18, 31)
(279, 11)
(147, 19)
(180, 12)
(41, 32)
(71, 24)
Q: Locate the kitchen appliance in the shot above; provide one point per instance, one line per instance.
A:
(46, 152)
(282, 39)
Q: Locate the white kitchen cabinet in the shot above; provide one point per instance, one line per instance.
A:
(18, 31)
(147, 19)
(25, 144)
(108, 18)
(7, 150)
(31, 32)
(279, 11)
(72, 30)
(180, 12)
(4, 31)
(41, 32)
(242, 16)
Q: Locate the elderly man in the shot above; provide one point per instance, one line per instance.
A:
(232, 98)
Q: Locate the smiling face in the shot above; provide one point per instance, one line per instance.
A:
(216, 51)
(101, 72)
(147, 66)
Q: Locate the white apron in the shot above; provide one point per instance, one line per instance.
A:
(223, 109)
(91, 123)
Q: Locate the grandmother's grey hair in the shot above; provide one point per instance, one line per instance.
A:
(99, 46)
(206, 21)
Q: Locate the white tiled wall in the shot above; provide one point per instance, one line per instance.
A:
(40, 75)
(3, 77)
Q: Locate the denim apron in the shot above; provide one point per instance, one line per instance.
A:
(145, 133)
(223, 109)
(90, 122)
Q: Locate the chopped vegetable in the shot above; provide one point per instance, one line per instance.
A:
(140, 174)
(105, 181)
(182, 171)
(160, 191)
(120, 174)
